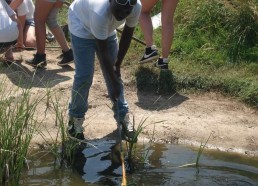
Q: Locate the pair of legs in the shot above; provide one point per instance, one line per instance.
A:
(167, 16)
(46, 13)
(84, 58)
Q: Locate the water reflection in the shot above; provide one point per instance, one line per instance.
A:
(101, 165)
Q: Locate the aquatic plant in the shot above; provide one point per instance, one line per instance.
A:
(201, 149)
(200, 152)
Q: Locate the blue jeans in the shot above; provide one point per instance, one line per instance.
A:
(84, 57)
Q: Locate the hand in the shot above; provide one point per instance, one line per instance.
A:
(116, 90)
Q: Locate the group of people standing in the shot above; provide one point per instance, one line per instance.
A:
(31, 21)
(92, 25)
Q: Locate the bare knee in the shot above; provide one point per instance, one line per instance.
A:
(30, 43)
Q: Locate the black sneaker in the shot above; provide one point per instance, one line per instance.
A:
(151, 53)
(162, 64)
(128, 130)
(39, 61)
(75, 129)
(66, 58)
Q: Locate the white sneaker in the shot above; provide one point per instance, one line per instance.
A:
(128, 130)
(151, 53)
(75, 129)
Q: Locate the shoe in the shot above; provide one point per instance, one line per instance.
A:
(162, 64)
(75, 129)
(39, 61)
(66, 58)
(151, 53)
(128, 131)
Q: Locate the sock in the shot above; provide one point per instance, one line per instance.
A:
(165, 60)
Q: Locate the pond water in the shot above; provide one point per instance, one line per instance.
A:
(165, 164)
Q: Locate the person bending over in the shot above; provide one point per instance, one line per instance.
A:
(92, 25)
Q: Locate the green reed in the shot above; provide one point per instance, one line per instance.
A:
(17, 127)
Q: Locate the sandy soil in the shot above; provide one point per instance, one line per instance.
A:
(182, 119)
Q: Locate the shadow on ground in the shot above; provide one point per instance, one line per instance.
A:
(156, 102)
(24, 77)
(157, 89)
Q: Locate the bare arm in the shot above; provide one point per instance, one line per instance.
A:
(19, 25)
(20, 37)
(20, 21)
(107, 63)
(124, 44)
(15, 3)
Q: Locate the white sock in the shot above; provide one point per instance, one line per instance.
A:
(165, 60)
(78, 122)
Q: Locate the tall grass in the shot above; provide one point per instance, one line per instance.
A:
(21, 115)
(217, 29)
(69, 147)
(17, 127)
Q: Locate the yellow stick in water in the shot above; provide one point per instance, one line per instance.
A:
(123, 170)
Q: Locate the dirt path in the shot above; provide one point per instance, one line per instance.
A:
(183, 119)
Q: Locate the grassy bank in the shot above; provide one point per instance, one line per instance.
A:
(215, 49)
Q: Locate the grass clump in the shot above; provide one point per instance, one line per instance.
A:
(17, 128)
(217, 29)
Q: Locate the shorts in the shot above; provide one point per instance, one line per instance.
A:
(30, 22)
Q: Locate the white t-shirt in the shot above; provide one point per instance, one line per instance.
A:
(22, 9)
(91, 19)
(26, 8)
(8, 28)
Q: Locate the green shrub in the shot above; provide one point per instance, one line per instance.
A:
(216, 27)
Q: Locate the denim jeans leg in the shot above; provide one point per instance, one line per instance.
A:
(120, 107)
(84, 57)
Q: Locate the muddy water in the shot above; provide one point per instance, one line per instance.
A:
(165, 164)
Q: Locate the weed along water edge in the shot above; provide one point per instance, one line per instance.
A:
(40, 100)
(210, 87)
(154, 164)
(169, 119)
